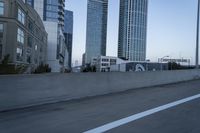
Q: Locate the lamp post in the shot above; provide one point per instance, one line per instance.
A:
(161, 67)
(197, 38)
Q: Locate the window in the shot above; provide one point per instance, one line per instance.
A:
(21, 16)
(20, 36)
(104, 64)
(1, 8)
(30, 26)
(113, 61)
(1, 27)
(30, 41)
(105, 60)
(41, 49)
(30, 2)
(19, 54)
(28, 56)
(36, 47)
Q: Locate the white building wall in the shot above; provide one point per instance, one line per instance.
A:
(66, 61)
(52, 30)
(103, 63)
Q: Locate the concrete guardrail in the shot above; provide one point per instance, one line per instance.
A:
(19, 91)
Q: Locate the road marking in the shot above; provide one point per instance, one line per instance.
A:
(132, 118)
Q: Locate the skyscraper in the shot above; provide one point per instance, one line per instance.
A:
(52, 13)
(97, 11)
(133, 30)
(68, 32)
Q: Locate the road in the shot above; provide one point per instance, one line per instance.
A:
(86, 114)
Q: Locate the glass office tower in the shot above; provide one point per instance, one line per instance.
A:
(54, 11)
(68, 32)
(133, 30)
(96, 29)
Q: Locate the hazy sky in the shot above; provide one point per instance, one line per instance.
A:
(171, 28)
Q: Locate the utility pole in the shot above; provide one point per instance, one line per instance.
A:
(197, 39)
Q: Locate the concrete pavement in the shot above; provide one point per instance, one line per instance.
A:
(82, 115)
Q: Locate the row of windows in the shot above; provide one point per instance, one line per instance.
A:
(20, 36)
(104, 64)
(30, 2)
(1, 8)
(52, 2)
(21, 18)
(52, 8)
(111, 61)
(20, 55)
(105, 60)
(52, 15)
(1, 27)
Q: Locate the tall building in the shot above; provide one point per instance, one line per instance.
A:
(133, 30)
(97, 11)
(68, 32)
(52, 13)
(22, 34)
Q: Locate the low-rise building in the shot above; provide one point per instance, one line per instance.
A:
(115, 64)
(22, 34)
(139, 66)
(103, 63)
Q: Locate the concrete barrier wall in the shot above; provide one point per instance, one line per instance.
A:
(26, 90)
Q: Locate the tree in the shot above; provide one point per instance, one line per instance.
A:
(42, 68)
(6, 68)
(177, 66)
(5, 60)
(89, 68)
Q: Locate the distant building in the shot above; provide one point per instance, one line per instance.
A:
(83, 59)
(76, 69)
(139, 66)
(103, 63)
(22, 34)
(76, 63)
(96, 33)
(68, 32)
(133, 30)
(52, 13)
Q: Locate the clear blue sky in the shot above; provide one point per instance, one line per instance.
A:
(171, 28)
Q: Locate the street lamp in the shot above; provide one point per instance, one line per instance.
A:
(161, 67)
(197, 38)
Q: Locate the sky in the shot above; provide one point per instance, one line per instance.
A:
(171, 28)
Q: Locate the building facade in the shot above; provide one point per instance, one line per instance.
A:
(104, 63)
(22, 34)
(96, 33)
(132, 30)
(52, 13)
(68, 33)
(139, 66)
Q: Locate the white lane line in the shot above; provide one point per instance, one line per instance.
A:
(132, 118)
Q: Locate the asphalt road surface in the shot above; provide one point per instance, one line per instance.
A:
(90, 113)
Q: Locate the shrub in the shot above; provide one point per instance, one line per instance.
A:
(42, 68)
